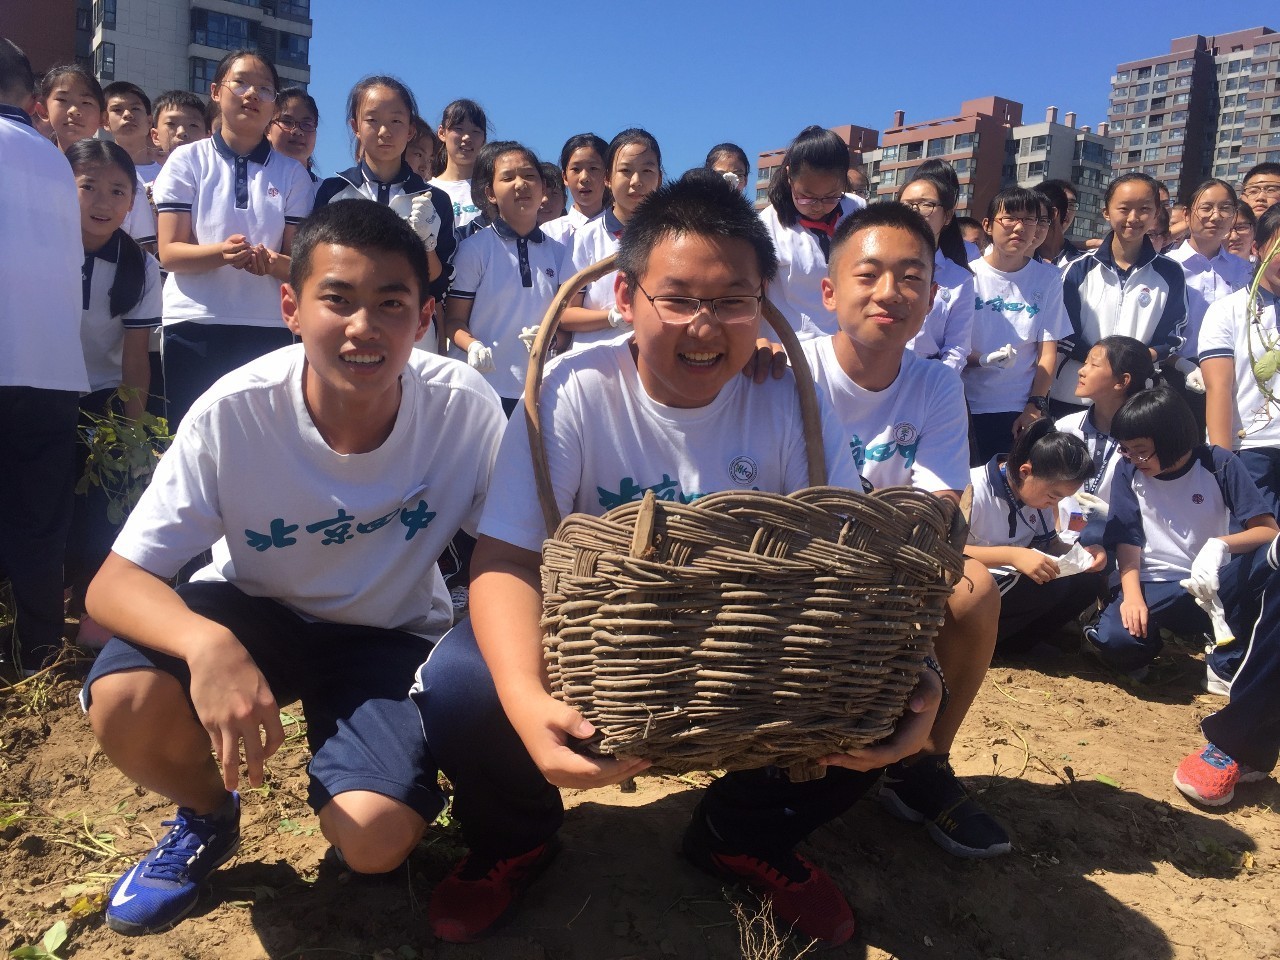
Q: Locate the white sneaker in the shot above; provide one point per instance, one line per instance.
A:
(1214, 684)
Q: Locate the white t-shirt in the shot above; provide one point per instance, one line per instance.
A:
(1104, 450)
(1024, 309)
(464, 209)
(797, 289)
(147, 172)
(913, 433)
(948, 329)
(101, 334)
(348, 538)
(1172, 518)
(140, 221)
(41, 250)
(1209, 279)
(563, 228)
(1226, 333)
(256, 196)
(593, 241)
(608, 442)
(510, 281)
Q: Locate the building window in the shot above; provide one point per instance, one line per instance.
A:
(292, 50)
(1173, 168)
(104, 61)
(1135, 140)
(1181, 98)
(1173, 151)
(1162, 69)
(1118, 126)
(1138, 123)
(1123, 76)
(1138, 106)
(1181, 82)
(939, 146)
(1143, 73)
(202, 71)
(889, 154)
(104, 14)
(222, 30)
(762, 193)
(1157, 120)
(1157, 103)
(294, 9)
(1186, 64)
(966, 141)
(1151, 153)
(1154, 136)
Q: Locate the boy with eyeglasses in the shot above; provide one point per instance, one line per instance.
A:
(1261, 187)
(666, 410)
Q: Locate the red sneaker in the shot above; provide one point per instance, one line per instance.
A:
(1210, 776)
(480, 891)
(803, 897)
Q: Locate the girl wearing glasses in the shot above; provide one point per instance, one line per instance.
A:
(807, 201)
(293, 131)
(1240, 237)
(227, 208)
(1018, 319)
(948, 328)
(1211, 272)
(1173, 502)
(1124, 287)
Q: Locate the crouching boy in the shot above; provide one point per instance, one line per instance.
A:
(327, 476)
(665, 410)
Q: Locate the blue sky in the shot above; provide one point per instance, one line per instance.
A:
(695, 72)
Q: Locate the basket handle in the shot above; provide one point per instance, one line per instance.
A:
(815, 453)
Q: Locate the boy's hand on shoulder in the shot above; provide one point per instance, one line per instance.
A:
(548, 727)
(236, 706)
(907, 739)
(769, 361)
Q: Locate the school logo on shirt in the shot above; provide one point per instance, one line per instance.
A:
(742, 470)
(551, 272)
(945, 295)
(1197, 498)
(272, 192)
(1144, 297)
(905, 442)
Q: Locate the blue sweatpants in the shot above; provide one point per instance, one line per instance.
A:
(1168, 605)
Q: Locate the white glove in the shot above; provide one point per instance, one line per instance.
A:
(1203, 582)
(480, 357)
(616, 319)
(1195, 381)
(527, 336)
(1002, 358)
(1090, 505)
(424, 219)
(1222, 634)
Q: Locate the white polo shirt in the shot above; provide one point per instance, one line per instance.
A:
(101, 334)
(948, 329)
(1024, 309)
(40, 254)
(510, 281)
(256, 196)
(593, 241)
(913, 433)
(147, 172)
(797, 289)
(1209, 279)
(140, 221)
(1103, 449)
(1226, 333)
(563, 228)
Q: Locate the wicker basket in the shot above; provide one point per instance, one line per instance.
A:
(743, 629)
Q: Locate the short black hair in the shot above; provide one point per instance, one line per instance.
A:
(482, 172)
(1265, 229)
(730, 150)
(888, 213)
(54, 74)
(1054, 456)
(16, 76)
(289, 94)
(361, 225)
(1263, 169)
(177, 100)
(700, 203)
(1066, 186)
(814, 148)
(1052, 191)
(1161, 416)
(123, 88)
(1015, 200)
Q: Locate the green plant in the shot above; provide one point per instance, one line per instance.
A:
(47, 948)
(123, 454)
(1266, 365)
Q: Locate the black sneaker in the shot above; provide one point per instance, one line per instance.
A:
(804, 897)
(928, 792)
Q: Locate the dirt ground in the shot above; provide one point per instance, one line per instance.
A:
(1109, 861)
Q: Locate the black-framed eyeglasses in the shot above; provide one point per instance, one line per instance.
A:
(679, 311)
(922, 207)
(1128, 455)
(1010, 222)
(815, 201)
(1260, 190)
(289, 125)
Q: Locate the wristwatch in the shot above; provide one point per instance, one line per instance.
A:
(1040, 403)
(936, 667)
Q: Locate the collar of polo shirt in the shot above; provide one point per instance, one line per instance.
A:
(507, 232)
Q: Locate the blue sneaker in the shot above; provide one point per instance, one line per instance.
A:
(163, 887)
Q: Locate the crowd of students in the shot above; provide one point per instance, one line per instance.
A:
(331, 462)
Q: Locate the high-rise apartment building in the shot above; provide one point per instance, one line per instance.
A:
(1062, 151)
(1208, 107)
(163, 44)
